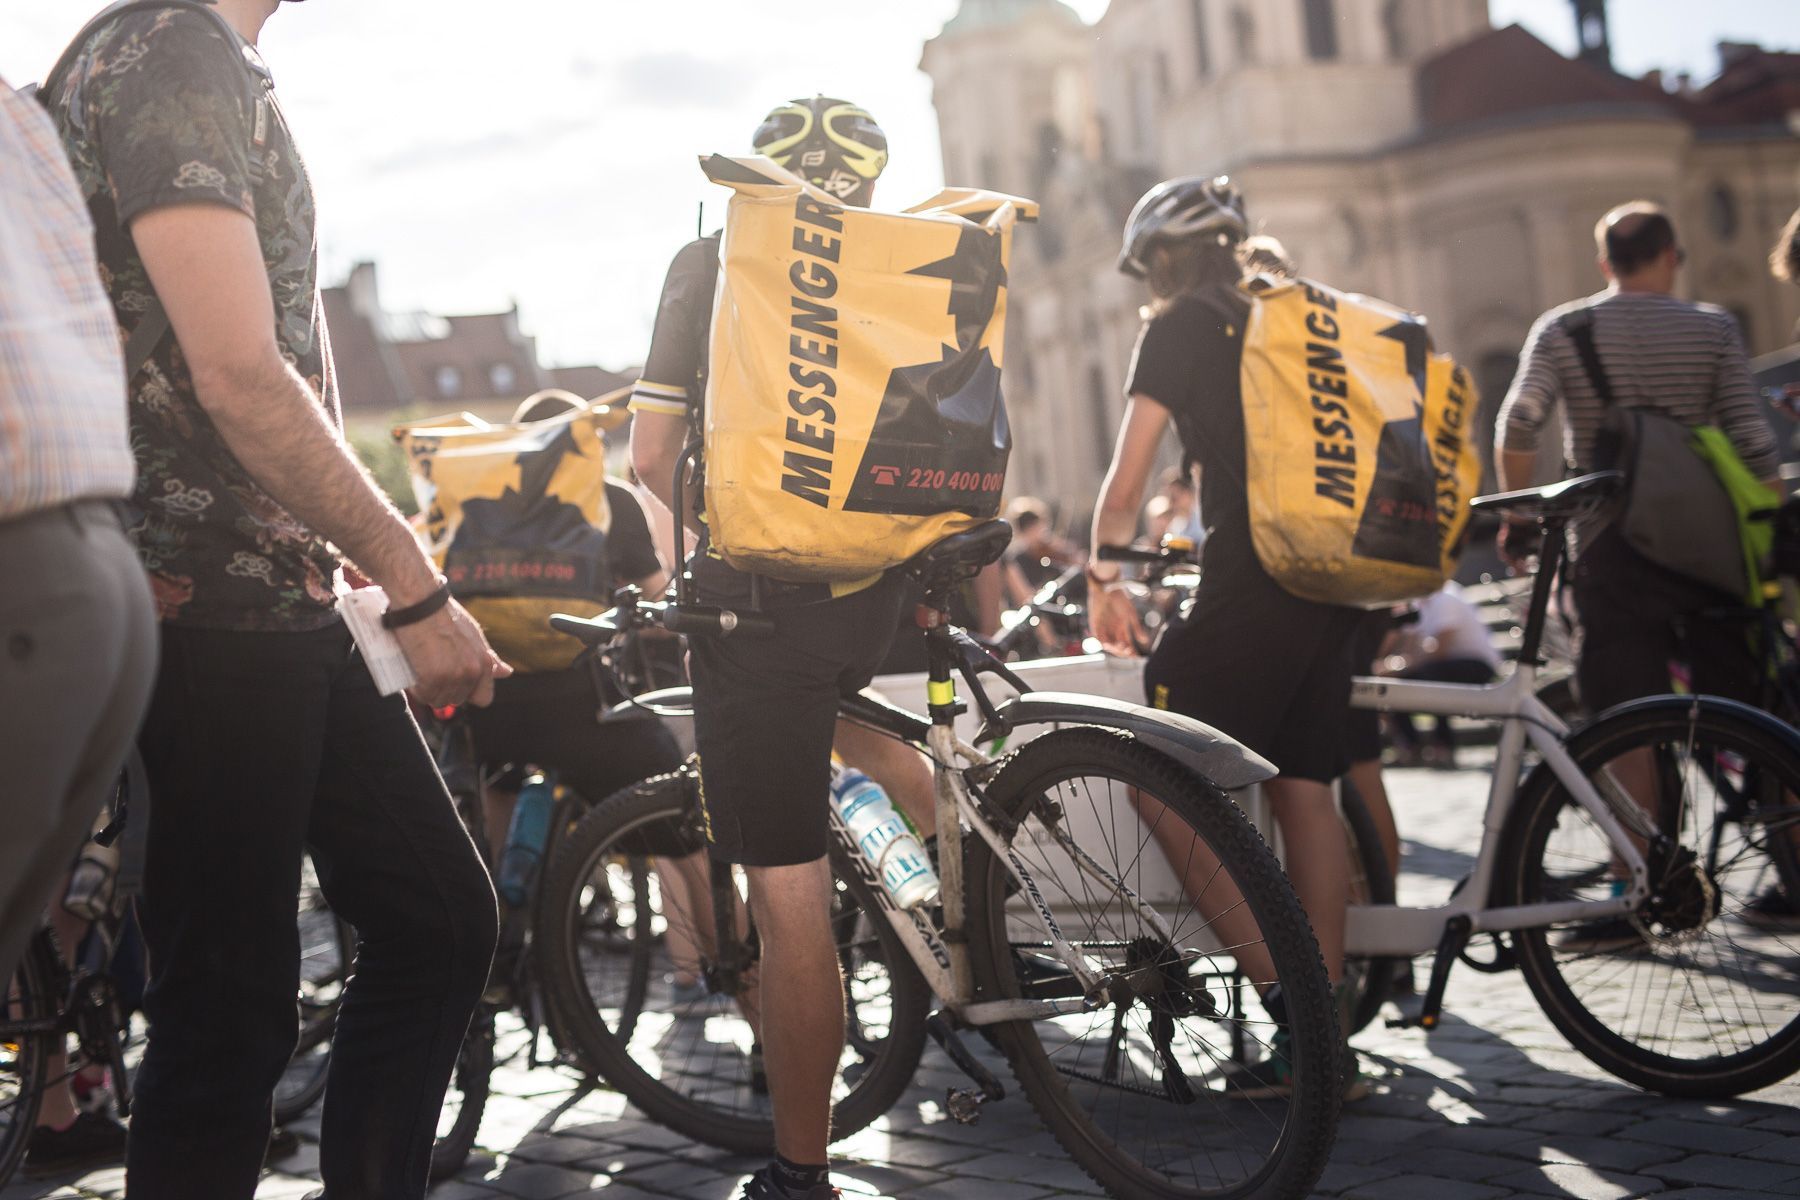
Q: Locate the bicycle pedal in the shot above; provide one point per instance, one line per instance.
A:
(964, 1105)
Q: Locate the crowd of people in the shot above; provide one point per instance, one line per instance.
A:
(177, 503)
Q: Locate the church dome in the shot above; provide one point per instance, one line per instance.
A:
(988, 14)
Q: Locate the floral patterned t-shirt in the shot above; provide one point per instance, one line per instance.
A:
(156, 113)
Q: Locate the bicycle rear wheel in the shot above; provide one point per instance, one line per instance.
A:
(28, 1004)
(1132, 1088)
(1683, 996)
(466, 1100)
(689, 1059)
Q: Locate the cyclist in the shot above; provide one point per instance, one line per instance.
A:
(1257, 662)
(766, 708)
(549, 719)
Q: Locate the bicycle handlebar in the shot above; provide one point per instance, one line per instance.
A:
(697, 619)
(1135, 554)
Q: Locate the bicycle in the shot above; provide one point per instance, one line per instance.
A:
(1612, 873)
(49, 997)
(1086, 960)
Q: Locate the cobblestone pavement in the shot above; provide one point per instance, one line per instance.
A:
(1493, 1105)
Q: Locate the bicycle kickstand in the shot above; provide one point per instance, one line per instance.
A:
(963, 1104)
(1457, 932)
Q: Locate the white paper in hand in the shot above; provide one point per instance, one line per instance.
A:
(363, 609)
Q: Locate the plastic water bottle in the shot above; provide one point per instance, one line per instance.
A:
(90, 891)
(525, 839)
(884, 837)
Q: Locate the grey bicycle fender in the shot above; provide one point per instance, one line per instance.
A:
(1217, 758)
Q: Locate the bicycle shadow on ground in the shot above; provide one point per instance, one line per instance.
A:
(1469, 1105)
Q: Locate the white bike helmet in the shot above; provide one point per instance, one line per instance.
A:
(1181, 208)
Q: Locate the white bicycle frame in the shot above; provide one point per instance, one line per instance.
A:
(1397, 930)
(945, 963)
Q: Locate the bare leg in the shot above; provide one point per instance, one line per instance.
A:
(1367, 778)
(1318, 862)
(58, 1107)
(803, 1014)
(903, 773)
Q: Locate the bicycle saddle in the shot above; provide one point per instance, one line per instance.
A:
(960, 556)
(1557, 500)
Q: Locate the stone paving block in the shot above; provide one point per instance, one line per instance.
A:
(1449, 1164)
(458, 1189)
(1607, 1153)
(1384, 1129)
(1716, 1139)
(1343, 1177)
(1716, 1170)
(1580, 1122)
(960, 1190)
(1579, 1182)
(674, 1177)
(1786, 1150)
(542, 1181)
(1424, 1187)
(557, 1148)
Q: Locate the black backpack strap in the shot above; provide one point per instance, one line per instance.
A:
(1579, 325)
(153, 326)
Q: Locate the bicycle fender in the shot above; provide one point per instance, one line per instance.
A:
(1217, 758)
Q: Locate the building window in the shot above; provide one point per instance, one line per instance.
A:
(1243, 35)
(448, 381)
(1321, 29)
(503, 379)
(1202, 49)
(1393, 25)
(1722, 212)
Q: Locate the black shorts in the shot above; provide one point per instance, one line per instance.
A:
(550, 719)
(1637, 616)
(1268, 668)
(765, 714)
(1362, 726)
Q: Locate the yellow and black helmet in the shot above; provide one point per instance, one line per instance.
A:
(832, 144)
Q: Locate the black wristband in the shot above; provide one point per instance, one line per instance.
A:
(412, 614)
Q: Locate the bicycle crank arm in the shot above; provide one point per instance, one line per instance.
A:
(963, 1105)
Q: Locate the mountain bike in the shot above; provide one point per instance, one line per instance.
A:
(1080, 878)
(1613, 873)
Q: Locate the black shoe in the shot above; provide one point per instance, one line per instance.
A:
(762, 1186)
(283, 1143)
(1598, 937)
(92, 1141)
(1771, 910)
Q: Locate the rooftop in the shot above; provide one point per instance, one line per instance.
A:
(986, 14)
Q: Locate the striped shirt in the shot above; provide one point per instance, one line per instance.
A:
(1679, 358)
(63, 432)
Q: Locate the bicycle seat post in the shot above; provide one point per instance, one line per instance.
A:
(1551, 556)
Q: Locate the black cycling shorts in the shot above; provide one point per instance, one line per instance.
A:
(1268, 668)
(551, 719)
(765, 714)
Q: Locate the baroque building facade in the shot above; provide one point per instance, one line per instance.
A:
(1404, 148)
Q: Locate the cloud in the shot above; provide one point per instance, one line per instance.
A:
(678, 79)
(525, 139)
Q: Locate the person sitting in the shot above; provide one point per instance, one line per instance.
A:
(1448, 643)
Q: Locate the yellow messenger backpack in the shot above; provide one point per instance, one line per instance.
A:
(853, 410)
(1357, 446)
(516, 518)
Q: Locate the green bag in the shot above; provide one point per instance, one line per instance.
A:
(1754, 501)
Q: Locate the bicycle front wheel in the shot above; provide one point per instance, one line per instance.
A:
(629, 960)
(1166, 891)
(327, 949)
(1685, 995)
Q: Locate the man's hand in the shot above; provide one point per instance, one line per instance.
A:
(1517, 543)
(452, 659)
(1114, 620)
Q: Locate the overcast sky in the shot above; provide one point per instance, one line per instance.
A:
(544, 150)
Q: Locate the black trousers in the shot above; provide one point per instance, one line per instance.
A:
(257, 745)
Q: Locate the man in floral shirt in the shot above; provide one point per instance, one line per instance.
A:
(265, 733)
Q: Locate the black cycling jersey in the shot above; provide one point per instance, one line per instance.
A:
(674, 383)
